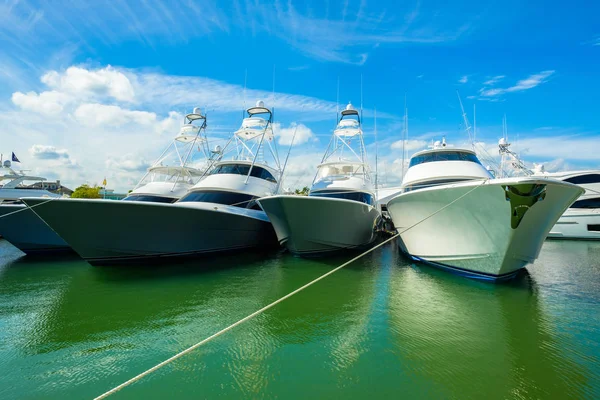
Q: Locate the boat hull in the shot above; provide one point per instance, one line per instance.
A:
(27, 232)
(107, 232)
(580, 224)
(492, 231)
(313, 226)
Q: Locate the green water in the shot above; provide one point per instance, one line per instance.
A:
(381, 327)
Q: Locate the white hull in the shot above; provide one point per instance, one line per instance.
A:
(120, 231)
(477, 234)
(27, 232)
(314, 225)
(575, 224)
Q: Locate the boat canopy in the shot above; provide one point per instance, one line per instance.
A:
(253, 127)
(189, 133)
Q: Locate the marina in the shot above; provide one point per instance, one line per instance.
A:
(204, 200)
(380, 326)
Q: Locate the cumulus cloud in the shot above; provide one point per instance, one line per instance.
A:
(83, 82)
(464, 79)
(47, 103)
(110, 115)
(285, 135)
(524, 84)
(44, 152)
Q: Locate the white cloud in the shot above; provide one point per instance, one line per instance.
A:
(44, 152)
(47, 103)
(410, 145)
(492, 81)
(464, 79)
(81, 82)
(285, 135)
(109, 115)
(524, 84)
(128, 163)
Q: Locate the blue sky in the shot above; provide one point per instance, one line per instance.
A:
(89, 89)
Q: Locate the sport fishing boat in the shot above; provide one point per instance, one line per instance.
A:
(339, 211)
(582, 218)
(162, 183)
(20, 226)
(217, 214)
(454, 215)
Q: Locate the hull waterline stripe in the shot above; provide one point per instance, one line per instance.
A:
(271, 305)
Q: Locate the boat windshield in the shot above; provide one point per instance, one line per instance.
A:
(149, 198)
(584, 179)
(340, 170)
(220, 197)
(244, 169)
(168, 175)
(356, 196)
(444, 156)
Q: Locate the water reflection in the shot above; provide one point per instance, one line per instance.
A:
(466, 337)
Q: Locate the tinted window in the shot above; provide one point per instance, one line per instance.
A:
(152, 199)
(242, 169)
(444, 156)
(583, 179)
(589, 203)
(226, 198)
(594, 228)
(356, 196)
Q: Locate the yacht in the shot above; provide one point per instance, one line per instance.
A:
(452, 214)
(340, 211)
(161, 183)
(219, 213)
(582, 218)
(18, 225)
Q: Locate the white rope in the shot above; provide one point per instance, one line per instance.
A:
(27, 207)
(265, 308)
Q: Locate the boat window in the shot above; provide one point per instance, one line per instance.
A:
(584, 179)
(243, 169)
(356, 196)
(220, 197)
(148, 198)
(444, 156)
(594, 228)
(588, 203)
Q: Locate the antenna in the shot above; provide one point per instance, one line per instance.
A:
(287, 157)
(474, 124)
(245, 82)
(465, 119)
(376, 157)
(337, 100)
(404, 135)
(361, 97)
(273, 95)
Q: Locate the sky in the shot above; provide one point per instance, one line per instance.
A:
(92, 89)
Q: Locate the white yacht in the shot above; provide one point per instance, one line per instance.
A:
(582, 218)
(18, 225)
(339, 212)
(162, 183)
(218, 214)
(454, 215)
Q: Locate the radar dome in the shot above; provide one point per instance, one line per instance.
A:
(217, 149)
(502, 142)
(437, 143)
(349, 106)
(7, 163)
(197, 110)
(260, 103)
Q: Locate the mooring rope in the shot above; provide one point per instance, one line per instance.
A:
(268, 306)
(27, 207)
